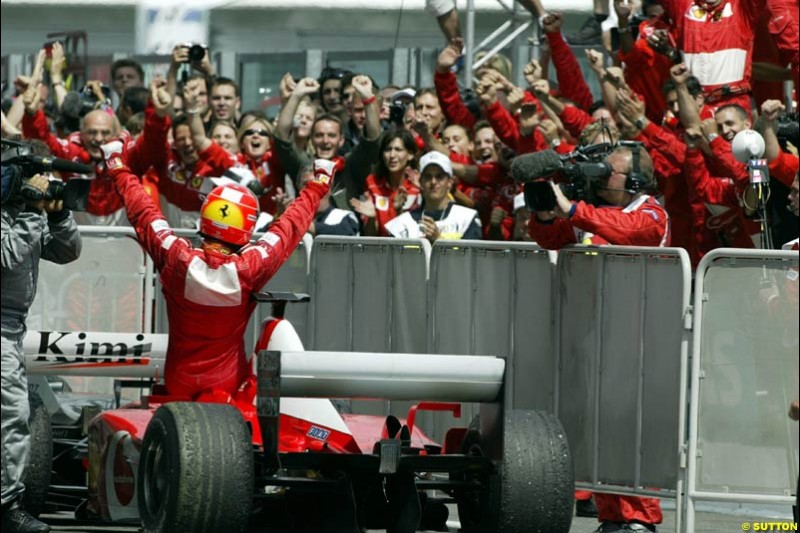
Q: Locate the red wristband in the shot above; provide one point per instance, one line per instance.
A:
(368, 100)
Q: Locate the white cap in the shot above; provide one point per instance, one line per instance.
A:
(438, 159)
(404, 93)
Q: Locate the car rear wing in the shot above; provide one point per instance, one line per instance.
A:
(387, 376)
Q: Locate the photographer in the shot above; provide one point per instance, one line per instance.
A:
(624, 214)
(31, 229)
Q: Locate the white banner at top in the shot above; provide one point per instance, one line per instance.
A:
(162, 25)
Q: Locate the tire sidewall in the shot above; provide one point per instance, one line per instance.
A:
(39, 466)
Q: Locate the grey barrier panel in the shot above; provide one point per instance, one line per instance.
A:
(743, 447)
(622, 351)
(103, 290)
(494, 298)
(369, 294)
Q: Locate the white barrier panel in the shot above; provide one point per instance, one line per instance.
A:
(103, 290)
(743, 447)
(622, 363)
(108, 288)
(368, 294)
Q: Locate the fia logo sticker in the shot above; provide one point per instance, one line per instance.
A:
(318, 433)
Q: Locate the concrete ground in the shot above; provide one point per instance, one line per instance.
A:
(710, 519)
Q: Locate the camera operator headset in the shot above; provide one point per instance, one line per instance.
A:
(35, 225)
(605, 200)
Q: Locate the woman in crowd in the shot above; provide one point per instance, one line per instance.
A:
(394, 186)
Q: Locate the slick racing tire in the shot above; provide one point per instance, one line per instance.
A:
(196, 470)
(40, 457)
(532, 491)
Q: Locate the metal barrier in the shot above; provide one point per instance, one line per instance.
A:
(108, 288)
(615, 319)
(622, 358)
(742, 446)
(494, 298)
(368, 294)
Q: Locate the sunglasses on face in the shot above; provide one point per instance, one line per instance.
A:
(259, 132)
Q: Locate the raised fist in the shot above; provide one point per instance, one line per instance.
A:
(306, 86)
(532, 72)
(595, 59)
(551, 22)
(771, 110)
(680, 73)
(449, 56)
(160, 97)
(363, 85)
(623, 9)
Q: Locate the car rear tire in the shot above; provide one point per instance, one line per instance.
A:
(40, 457)
(196, 470)
(532, 490)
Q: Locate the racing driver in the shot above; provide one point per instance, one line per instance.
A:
(208, 289)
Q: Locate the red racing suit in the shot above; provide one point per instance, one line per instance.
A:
(724, 224)
(643, 222)
(646, 71)
(207, 292)
(571, 83)
(669, 158)
(718, 45)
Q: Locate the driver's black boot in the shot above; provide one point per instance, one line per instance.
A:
(17, 520)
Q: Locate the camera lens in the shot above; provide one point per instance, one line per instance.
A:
(196, 53)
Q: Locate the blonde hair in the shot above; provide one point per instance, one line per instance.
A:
(498, 62)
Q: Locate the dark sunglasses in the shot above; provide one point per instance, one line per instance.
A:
(262, 133)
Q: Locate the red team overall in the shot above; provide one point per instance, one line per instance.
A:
(208, 289)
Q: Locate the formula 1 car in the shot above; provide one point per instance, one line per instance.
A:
(205, 464)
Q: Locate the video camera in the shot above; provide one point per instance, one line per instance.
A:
(19, 164)
(585, 170)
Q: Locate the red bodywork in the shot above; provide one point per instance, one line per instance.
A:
(115, 438)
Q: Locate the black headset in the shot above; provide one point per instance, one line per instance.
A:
(635, 181)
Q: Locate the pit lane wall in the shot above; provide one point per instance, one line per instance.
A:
(601, 336)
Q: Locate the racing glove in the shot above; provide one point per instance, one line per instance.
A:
(324, 171)
(112, 153)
